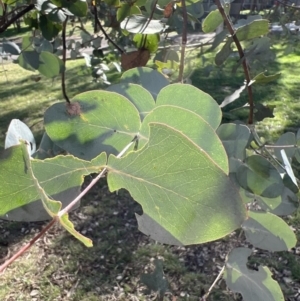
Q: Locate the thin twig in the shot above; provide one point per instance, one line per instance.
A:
(16, 17)
(214, 283)
(150, 17)
(97, 22)
(242, 55)
(64, 54)
(101, 174)
(4, 70)
(82, 28)
(289, 5)
(28, 245)
(63, 211)
(183, 41)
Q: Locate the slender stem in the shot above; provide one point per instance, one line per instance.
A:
(183, 41)
(288, 5)
(4, 70)
(82, 28)
(242, 56)
(204, 298)
(27, 246)
(101, 174)
(151, 16)
(97, 22)
(64, 53)
(63, 211)
(16, 17)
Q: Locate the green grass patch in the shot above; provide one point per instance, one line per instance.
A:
(284, 93)
(23, 98)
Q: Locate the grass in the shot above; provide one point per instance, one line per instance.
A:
(12, 32)
(60, 268)
(283, 94)
(25, 99)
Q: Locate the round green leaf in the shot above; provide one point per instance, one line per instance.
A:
(149, 41)
(224, 53)
(190, 98)
(179, 187)
(289, 139)
(11, 48)
(50, 65)
(77, 7)
(49, 29)
(141, 24)
(63, 179)
(267, 231)
(285, 204)
(96, 121)
(212, 21)
(260, 177)
(191, 125)
(29, 60)
(57, 15)
(115, 3)
(123, 11)
(253, 285)
(139, 96)
(235, 138)
(135, 10)
(148, 78)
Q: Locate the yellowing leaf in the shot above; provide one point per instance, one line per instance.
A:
(68, 225)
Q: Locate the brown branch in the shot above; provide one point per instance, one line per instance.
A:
(27, 246)
(65, 210)
(97, 22)
(242, 56)
(183, 41)
(16, 17)
(289, 5)
(151, 16)
(64, 53)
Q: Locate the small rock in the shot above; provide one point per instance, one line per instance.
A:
(34, 293)
(287, 273)
(287, 280)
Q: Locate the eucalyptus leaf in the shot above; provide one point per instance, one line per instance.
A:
(179, 192)
(285, 204)
(214, 19)
(62, 182)
(140, 97)
(50, 65)
(78, 8)
(289, 140)
(189, 97)
(148, 78)
(253, 285)
(141, 24)
(94, 122)
(29, 60)
(149, 41)
(224, 53)
(123, 11)
(17, 131)
(11, 48)
(235, 138)
(267, 231)
(260, 177)
(261, 78)
(191, 125)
